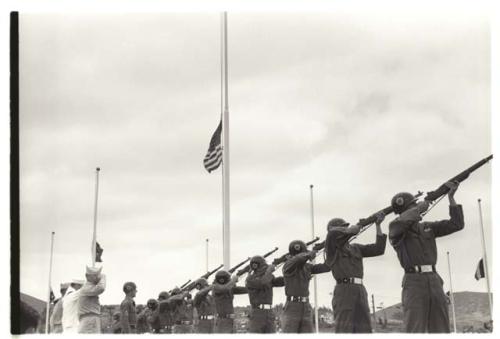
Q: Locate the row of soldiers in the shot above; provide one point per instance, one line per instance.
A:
(424, 302)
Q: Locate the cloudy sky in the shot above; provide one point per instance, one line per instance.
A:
(360, 105)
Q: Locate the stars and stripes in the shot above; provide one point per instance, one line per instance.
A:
(479, 270)
(213, 158)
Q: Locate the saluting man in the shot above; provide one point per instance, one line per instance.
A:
(350, 300)
(223, 289)
(128, 317)
(424, 302)
(297, 272)
(260, 282)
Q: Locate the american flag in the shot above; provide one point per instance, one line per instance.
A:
(213, 158)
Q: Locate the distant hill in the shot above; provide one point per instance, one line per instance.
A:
(471, 309)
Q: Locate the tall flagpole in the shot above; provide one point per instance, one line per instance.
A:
(315, 281)
(50, 283)
(225, 151)
(452, 298)
(485, 260)
(94, 234)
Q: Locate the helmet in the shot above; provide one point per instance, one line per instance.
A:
(129, 286)
(337, 222)
(401, 201)
(296, 247)
(201, 283)
(176, 290)
(258, 259)
(152, 303)
(222, 275)
(163, 295)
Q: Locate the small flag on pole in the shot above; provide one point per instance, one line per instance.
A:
(213, 158)
(479, 270)
(98, 252)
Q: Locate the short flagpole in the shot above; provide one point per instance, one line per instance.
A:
(225, 151)
(485, 260)
(94, 235)
(452, 298)
(315, 281)
(50, 283)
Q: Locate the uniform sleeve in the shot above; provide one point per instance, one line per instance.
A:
(257, 282)
(278, 282)
(94, 290)
(240, 290)
(295, 262)
(198, 298)
(445, 227)
(320, 268)
(124, 316)
(399, 226)
(375, 249)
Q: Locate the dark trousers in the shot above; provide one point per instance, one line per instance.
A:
(205, 326)
(261, 321)
(297, 317)
(425, 306)
(350, 309)
(224, 325)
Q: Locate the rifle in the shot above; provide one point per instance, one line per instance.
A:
(247, 268)
(430, 197)
(443, 189)
(191, 286)
(234, 268)
(183, 285)
(285, 256)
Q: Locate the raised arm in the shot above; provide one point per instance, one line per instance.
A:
(399, 226)
(257, 282)
(456, 221)
(297, 261)
(94, 290)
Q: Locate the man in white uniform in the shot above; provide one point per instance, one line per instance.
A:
(70, 307)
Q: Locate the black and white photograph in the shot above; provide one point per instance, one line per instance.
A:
(225, 171)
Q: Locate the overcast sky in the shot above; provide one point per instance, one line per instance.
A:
(362, 106)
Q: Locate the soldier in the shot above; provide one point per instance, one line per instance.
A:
(57, 312)
(116, 325)
(89, 309)
(350, 300)
(128, 317)
(152, 316)
(260, 282)
(204, 304)
(164, 312)
(182, 312)
(142, 324)
(297, 272)
(424, 302)
(223, 289)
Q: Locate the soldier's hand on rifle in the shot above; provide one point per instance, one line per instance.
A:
(312, 254)
(453, 186)
(380, 217)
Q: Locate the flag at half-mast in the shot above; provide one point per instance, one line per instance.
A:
(479, 270)
(213, 158)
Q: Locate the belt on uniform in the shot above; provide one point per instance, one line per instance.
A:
(206, 317)
(226, 316)
(263, 306)
(354, 280)
(421, 269)
(183, 322)
(297, 299)
(88, 315)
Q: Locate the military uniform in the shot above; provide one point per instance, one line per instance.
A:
(424, 302)
(142, 324)
(350, 299)
(89, 309)
(165, 317)
(182, 314)
(260, 283)
(204, 304)
(128, 317)
(297, 272)
(223, 296)
(152, 316)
